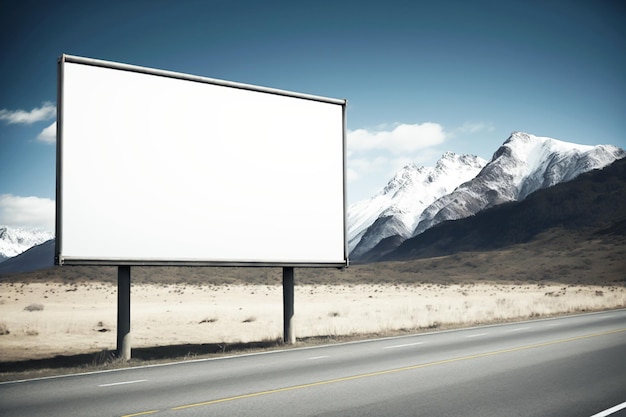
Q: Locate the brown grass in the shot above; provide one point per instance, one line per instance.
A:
(195, 308)
(83, 320)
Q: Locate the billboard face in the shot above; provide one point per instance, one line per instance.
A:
(163, 168)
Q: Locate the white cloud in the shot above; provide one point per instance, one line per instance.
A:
(39, 114)
(359, 168)
(372, 163)
(49, 134)
(401, 139)
(27, 212)
(475, 127)
(375, 155)
(352, 175)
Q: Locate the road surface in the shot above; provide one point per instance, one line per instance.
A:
(569, 366)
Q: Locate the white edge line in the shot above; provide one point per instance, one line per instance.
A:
(476, 335)
(488, 326)
(317, 357)
(517, 330)
(123, 383)
(401, 346)
(611, 410)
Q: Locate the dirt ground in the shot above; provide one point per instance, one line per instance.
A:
(43, 320)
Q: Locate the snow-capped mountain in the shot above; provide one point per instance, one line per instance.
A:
(395, 210)
(14, 241)
(413, 201)
(521, 166)
(38, 257)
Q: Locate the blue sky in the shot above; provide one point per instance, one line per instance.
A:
(420, 77)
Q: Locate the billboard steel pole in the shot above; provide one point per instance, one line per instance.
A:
(123, 312)
(289, 336)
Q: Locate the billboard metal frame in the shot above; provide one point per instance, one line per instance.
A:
(61, 259)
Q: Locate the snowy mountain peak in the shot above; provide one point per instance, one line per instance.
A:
(522, 165)
(459, 186)
(403, 178)
(533, 150)
(395, 209)
(535, 162)
(448, 156)
(524, 144)
(14, 241)
(452, 161)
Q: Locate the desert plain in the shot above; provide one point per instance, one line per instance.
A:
(42, 320)
(64, 311)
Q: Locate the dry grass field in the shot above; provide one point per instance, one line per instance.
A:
(72, 310)
(44, 320)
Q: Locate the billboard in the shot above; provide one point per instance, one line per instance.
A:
(162, 168)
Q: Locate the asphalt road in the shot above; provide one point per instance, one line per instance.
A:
(570, 366)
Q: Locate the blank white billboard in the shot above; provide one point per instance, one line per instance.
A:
(160, 168)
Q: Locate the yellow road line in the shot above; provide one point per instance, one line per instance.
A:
(143, 413)
(388, 371)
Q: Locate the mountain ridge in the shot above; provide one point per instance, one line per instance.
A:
(395, 209)
(14, 240)
(594, 202)
(522, 165)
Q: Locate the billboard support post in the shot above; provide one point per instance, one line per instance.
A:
(123, 312)
(289, 336)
